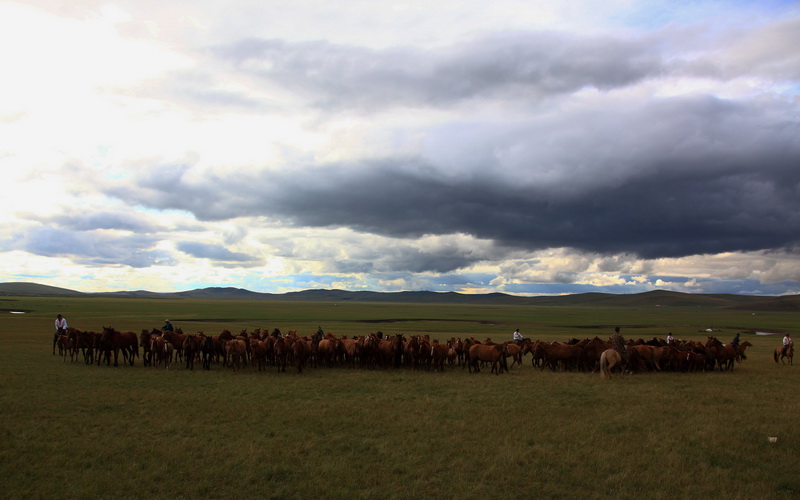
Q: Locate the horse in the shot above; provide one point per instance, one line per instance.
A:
(68, 345)
(235, 351)
(326, 350)
(390, 351)
(439, 355)
(490, 353)
(740, 350)
(161, 351)
(258, 354)
(608, 360)
(191, 348)
(85, 341)
(536, 354)
(515, 352)
(120, 341)
(208, 350)
(146, 343)
(568, 355)
(779, 355)
(176, 338)
(351, 350)
(592, 350)
(644, 356)
(300, 352)
(725, 355)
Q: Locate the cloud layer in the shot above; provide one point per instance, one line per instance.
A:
(556, 157)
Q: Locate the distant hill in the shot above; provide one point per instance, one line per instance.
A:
(657, 298)
(21, 288)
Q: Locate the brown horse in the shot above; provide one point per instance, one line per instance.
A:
(723, 354)
(514, 351)
(494, 354)
(300, 353)
(235, 352)
(146, 343)
(740, 350)
(117, 341)
(593, 349)
(85, 341)
(569, 356)
(191, 348)
(176, 338)
(779, 355)
(439, 355)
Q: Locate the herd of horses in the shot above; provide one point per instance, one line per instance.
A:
(262, 350)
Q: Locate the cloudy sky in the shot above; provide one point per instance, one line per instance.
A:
(516, 146)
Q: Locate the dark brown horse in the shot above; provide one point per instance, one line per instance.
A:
(85, 341)
(300, 353)
(724, 355)
(555, 353)
(117, 341)
(146, 343)
(191, 349)
(593, 349)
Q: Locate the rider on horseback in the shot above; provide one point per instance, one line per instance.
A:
(787, 341)
(619, 345)
(61, 329)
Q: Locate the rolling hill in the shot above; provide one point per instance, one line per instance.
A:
(661, 298)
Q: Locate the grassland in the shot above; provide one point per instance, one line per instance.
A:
(76, 431)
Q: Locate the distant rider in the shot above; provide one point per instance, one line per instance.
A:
(787, 341)
(167, 326)
(61, 329)
(517, 336)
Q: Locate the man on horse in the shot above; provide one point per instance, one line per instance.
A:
(735, 341)
(61, 329)
(517, 336)
(619, 345)
(787, 341)
(167, 326)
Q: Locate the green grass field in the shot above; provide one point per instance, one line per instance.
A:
(71, 430)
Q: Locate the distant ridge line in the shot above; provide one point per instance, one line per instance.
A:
(655, 298)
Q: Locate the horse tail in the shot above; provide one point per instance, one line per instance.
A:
(604, 371)
(775, 354)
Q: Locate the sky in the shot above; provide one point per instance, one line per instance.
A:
(515, 146)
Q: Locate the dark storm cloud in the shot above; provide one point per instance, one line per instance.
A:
(407, 259)
(512, 64)
(670, 178)
(214, 252)
(91, 248)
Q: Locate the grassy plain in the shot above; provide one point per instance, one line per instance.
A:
(77, 431)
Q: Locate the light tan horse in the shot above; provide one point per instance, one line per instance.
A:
(608, 360)
(778, 355)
